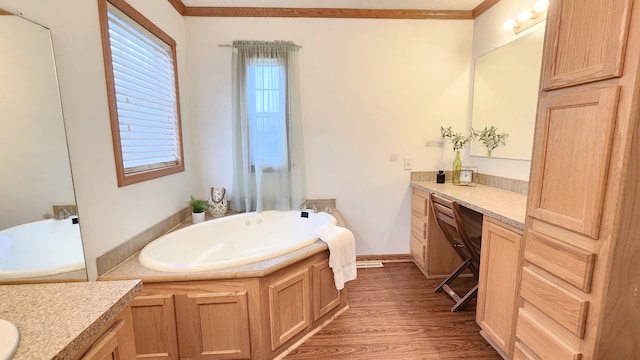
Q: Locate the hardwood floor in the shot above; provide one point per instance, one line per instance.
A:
(395, 315)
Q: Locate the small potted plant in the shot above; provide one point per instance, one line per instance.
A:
(490, 138)
(198, 207)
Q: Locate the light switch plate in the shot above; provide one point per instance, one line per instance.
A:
(408, 164)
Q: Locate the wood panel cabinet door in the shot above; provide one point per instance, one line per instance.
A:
(116, 342)
(574, 135)
(584, 45)
(289, 301)
(106, 348)
(154, 326)
(500, 264)
(325, 295)
(216, 326)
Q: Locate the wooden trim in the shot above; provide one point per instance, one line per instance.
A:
(389, 258)
(328, 13)
(184, 10)
(135, 15)
(482, 7)
(178, 5)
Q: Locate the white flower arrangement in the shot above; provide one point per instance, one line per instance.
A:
(490, 138)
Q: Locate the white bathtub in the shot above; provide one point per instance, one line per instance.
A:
(40, 248)
(233, 240)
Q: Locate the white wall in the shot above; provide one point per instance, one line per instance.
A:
(109, 215)
(489, 34)
(370, 89)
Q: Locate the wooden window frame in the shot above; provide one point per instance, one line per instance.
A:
(133, 14)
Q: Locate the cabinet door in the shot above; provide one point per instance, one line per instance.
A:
(116, 343)
(154, 326)
(217, 326)
(325, 295)
(497, 289)
(574, 134)
(106, 348)
(584, 45)
(289, 312)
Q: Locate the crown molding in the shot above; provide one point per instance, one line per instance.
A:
(214, 11)
(327, 13)
(481, 8)
(178, 5)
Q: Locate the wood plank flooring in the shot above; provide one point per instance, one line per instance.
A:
(394, 315)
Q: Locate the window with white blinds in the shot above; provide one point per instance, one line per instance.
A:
(145, 97)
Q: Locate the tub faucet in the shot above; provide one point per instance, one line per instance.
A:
(64, 213)
(307, 203)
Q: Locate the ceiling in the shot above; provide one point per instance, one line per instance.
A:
(467, 5)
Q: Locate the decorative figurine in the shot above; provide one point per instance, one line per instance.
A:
(217, 203)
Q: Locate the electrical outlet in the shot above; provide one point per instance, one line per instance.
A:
(408, 164)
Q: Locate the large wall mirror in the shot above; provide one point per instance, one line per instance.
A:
(39, 231)
(505, 94)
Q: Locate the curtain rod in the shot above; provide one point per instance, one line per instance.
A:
(229, 45)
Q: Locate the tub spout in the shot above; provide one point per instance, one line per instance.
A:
(64, 213)
(306, 204)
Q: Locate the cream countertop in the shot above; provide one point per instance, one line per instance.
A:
(505, 206)
(56, 321)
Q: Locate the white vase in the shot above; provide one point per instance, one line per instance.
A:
(197, 217)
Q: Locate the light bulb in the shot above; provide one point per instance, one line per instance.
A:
(541, 5)
(509, 24)
(525, 15)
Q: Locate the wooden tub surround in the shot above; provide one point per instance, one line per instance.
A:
(255, 311)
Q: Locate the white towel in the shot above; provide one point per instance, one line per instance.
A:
(342, 253)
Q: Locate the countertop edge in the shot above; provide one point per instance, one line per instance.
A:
(87, 335)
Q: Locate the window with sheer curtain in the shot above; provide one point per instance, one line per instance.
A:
(266, 95)
(267, 130)
(143, 94)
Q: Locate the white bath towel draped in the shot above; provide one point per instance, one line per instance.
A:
(342, 253)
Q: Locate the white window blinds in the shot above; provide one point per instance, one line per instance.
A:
(146, 101)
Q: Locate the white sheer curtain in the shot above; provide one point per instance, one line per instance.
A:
(268, 156)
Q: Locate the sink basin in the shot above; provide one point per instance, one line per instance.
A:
(9, 338)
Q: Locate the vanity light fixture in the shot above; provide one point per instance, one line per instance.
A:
(528, 18)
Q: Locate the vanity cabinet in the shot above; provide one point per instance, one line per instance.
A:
(500, 264)
(579, 280)
(115, 340)
(430, 250)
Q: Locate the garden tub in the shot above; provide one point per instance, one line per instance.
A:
(234, 240)
(41, 248)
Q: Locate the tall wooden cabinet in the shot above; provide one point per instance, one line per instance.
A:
(579, 296)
